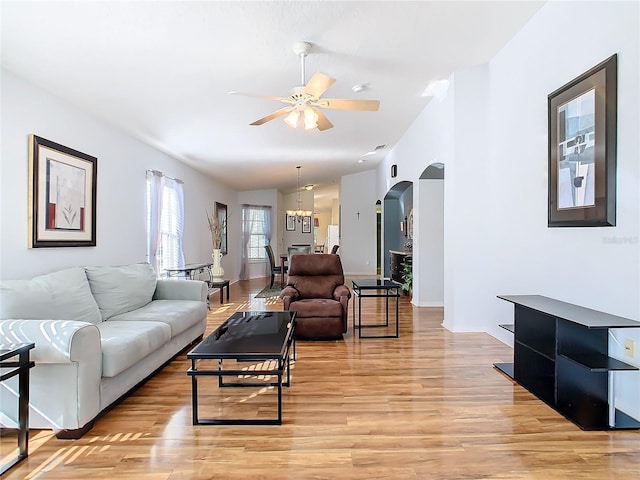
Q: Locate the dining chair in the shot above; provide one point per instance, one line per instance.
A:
(275, 269)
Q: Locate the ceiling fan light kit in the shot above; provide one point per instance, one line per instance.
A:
(305, 102)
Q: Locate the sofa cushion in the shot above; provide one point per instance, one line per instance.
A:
(126, 343)
(121, 289)
(61, 295)
(317, 307)
(178, 314)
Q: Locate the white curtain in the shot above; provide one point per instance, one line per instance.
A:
(172, 222)
(165, 221)
(154, 209)
(256, 223)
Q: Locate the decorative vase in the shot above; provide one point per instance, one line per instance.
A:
(217, 272)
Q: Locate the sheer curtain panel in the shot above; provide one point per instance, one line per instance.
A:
(256, 233)
(165, 221)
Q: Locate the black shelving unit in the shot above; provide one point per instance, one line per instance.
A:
(560, 355)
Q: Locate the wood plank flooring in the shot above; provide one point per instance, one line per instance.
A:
(428, 405)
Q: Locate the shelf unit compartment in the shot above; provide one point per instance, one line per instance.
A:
(506, 368)
(536, 330)
(576, 339)
(582, 394)
(510, 327)
(535, 372)
(625, 421)
(597, 362)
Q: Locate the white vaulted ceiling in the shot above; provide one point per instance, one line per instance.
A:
(162, 70)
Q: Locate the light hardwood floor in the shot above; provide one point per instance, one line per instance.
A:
(428, 405)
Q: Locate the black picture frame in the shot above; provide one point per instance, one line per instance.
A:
(582, 122)
(221, 215)
(290, 223)
(62, 195)
(306, 224)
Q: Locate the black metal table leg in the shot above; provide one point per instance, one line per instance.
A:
(194, 394)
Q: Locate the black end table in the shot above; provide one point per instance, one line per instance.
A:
(375, 288)
(220, 284)
(10, 367)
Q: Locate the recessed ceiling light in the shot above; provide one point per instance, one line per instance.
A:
(359, 88)
(368, 154)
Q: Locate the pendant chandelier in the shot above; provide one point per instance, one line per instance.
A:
(299, 212)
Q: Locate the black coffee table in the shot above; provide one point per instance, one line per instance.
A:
(245, 337)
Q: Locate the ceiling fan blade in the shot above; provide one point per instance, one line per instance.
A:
(344, 104)
(318, 84)
(278, 113)
(322, 122)
(266, 97)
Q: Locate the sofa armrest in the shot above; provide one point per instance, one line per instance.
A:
(65, 382)
(56, 341)
(181, 290)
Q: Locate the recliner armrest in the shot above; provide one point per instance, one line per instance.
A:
(341, 291)
(289, 294)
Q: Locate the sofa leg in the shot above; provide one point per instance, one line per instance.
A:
(74, 434)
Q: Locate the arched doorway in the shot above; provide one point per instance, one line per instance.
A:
(397, 209)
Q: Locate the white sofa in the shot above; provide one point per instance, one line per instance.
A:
(98, 332)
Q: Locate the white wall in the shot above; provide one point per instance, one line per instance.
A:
(496, 235)
(428, 286)
(121, 202)
(324, 220)
(358, 232)
(594, 267)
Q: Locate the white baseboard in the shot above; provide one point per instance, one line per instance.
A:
(429, 304)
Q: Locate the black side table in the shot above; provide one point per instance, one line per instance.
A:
(375, 288)
(220, 284)
(9, 368)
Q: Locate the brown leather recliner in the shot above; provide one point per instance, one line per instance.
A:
(316, 291)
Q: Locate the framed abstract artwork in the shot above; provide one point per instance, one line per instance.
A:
(582, 149)
(306, 224)
(62, 195)
(290, 223)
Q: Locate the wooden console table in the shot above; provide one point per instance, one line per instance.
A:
(560, 354)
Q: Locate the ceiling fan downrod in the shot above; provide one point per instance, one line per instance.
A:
(302, 50)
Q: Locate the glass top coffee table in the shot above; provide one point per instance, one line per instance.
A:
(265, 338)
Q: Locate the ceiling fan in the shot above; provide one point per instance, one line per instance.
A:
(304, 102)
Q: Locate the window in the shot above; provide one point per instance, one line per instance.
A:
(165, 221)
(256, 234)
(254, 219)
